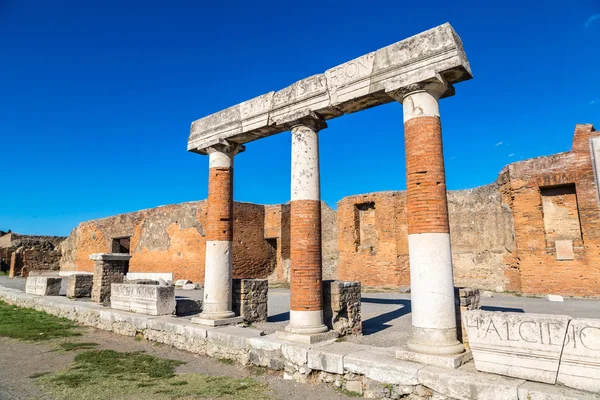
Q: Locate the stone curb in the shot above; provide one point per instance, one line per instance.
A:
(249, 346)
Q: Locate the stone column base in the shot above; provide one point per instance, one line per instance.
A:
(306, 338)
(218, 321)
(445, 361)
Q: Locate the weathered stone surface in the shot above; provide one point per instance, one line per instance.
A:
(466, 299)
(109, 268)
(381, 365)
(463, 385)
(329, 358)
(249, 299)
(580, 362)
(43, 285)
(167, 276)
(364, 82)
(525, 346)
(446, 361)
(540, 391)
(79, 285)
(342, 307)
(143, 299)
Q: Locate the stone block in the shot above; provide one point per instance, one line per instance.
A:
(466, 299)
(109, 268)
(143, 299)
(217, 322)
(527, 346)
(580, 362)
(342, 307)
(380, 364)
(446, 361)
(188, 306)
(460, 384)
(43, 285)
(540, 391)
(167, 276)
(329, 358)
(361, 83)
(250, 298)
(79, 285)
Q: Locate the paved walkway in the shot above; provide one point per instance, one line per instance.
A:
(386, 316)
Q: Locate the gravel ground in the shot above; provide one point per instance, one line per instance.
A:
(20, 360)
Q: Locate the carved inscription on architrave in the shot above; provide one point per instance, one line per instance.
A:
(525, 346)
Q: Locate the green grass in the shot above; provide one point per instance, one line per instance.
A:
(3, 273)
(226, 361)
(112, 375)
(74, 346)
(31, 325)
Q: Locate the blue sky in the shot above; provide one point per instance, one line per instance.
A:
(97, 97)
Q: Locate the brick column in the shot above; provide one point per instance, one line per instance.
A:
(431, 276)
(219, 235)
(306, 293)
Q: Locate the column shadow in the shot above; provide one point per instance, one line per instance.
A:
(379, 323)
(284, 316)
(502, 309)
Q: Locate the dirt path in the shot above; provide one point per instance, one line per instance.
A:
(20, 360)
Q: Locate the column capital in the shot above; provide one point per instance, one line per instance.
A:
(312, 121)
(438, 88)
(226, 147)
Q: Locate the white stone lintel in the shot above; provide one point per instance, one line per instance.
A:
(364, 82)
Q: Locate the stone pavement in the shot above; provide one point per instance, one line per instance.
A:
(374, 372)
(386, 315)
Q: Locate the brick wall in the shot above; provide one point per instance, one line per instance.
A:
(503, 235)
(533, 268)
(172, 239)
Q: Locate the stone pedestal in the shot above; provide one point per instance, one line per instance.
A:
(250, 299)
(109, 268)
(431, 277)
(143, 299)
(43, 285)
(79, 285)
(217, 307)
(306, 293)
(341, 307)
(466, 299)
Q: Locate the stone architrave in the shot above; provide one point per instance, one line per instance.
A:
(143, 299)
(43, 285)
(361, 83)
(526, 346)
(580, 362)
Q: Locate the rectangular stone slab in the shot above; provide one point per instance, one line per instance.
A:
(524, 346)
(367, 81)
(580, 363)
(143, 299)
(43, 285)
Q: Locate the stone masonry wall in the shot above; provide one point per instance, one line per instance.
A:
(533, 267)
(504, 235)
(29, 253)
(172, 239)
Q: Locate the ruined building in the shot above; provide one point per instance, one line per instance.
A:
(20, 254)
(535, 230)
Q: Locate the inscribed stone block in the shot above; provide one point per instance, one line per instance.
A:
(525, 346)
(580, 363)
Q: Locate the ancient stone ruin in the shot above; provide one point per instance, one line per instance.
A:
(534, 231)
